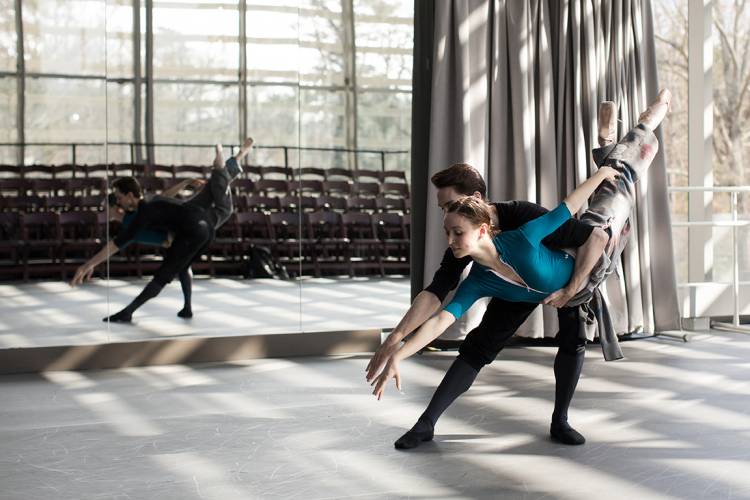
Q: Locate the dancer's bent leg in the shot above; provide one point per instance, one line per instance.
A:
(183, 251)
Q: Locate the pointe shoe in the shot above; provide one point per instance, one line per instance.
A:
(607, 123)
(657, 110)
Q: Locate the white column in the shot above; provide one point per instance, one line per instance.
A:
(700, 133)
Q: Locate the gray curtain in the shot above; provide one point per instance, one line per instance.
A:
(515, 91)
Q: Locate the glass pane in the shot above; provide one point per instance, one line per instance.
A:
(731, 81)
(65, 111)
(323, 124)
(120, 114)
(120, 39)
(64, 37)
(194, 114)
(384, 42)
(198, 39)
(321, 36)
(272, 43)
(8, 130)
(273, 117)
(671, 32)
(8, 38)
(384, 124)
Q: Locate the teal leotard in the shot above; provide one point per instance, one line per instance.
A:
(152, 237)
(543, 269)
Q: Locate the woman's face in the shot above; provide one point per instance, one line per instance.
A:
(463, 236)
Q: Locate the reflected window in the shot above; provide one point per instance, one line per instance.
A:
(194, 114)
(197, 39)
(64, 110)
(64, 37)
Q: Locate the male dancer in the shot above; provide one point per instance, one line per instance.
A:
(161, 238)
(503, 318)
(192, 223)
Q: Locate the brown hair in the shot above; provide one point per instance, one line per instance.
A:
(127, 185)
(477, 211)
(462, 177)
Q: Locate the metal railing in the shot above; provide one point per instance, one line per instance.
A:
(134, 145)
(734, 223)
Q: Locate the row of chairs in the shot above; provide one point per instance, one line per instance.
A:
(243, 203)
(324, 242)
(52, 187)
(253, 172)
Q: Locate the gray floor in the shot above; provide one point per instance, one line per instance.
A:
(670, 421)
(51, 313)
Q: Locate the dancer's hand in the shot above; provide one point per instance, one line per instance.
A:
(610, 174)
(378, 360)
(559, 298)
(390, 371)
(83, 273)
(197, 183)
(248, 143)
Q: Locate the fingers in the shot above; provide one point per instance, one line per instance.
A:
(398, 381)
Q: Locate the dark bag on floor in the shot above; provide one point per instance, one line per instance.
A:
(262, 265)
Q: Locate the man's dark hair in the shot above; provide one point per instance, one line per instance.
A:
(462, 177)
(127, 185)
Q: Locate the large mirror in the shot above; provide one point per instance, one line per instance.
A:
(99, 90)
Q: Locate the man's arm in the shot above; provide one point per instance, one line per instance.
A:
(83, 273)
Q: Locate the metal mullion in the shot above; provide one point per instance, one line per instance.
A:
(350, 79)
(243, 70)
(20, 87)
(66, 76)
(137, 82)
(149, 81)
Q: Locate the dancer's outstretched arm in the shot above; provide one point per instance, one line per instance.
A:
(424, 306)
(578, 197)
(428, 332)
(84, 271)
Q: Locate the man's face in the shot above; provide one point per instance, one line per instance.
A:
(127, 202)
(447, 195)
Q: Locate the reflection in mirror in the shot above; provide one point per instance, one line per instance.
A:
(52, 99)
(317, 238)
(356, 112)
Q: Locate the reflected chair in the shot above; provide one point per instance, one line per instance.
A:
(330, 248)
(365, 248)
(392, 232)
(40, 233)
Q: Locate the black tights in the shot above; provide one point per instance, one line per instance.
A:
(464, 370)
(186, 282)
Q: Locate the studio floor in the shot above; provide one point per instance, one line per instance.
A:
(51, 313)
(672, 420)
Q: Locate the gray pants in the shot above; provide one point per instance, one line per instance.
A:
(216, 197)
(612, 203)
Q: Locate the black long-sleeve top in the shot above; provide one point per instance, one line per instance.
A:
(160, 213)
(511, 215)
